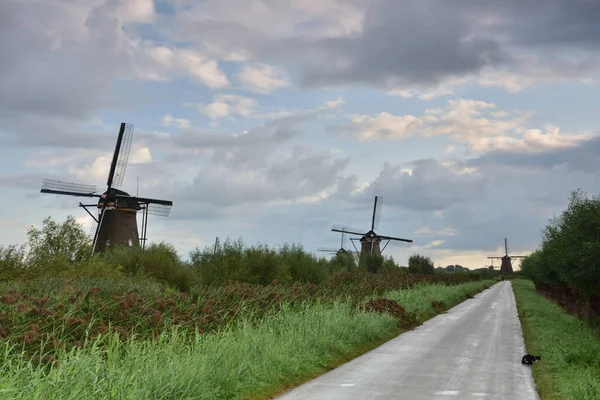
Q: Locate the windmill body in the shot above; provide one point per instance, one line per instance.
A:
(370, 242)
(116, 216)
(506, 261)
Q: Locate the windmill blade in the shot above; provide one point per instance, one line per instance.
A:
(68, 188)
(345, 231)
(395, 238)
(160, 210)
(327, 250)
(98, 226)
(93, 228)
(377, 213)
(154, 206)
(347, 228)
(120, 156)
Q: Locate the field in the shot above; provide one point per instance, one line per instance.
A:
(137, 338)
(570, 349)
(235, 321)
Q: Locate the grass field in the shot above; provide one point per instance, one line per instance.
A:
(570, 350)
(247, 358)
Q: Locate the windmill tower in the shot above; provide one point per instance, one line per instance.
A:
(116, 214)
(370, 242)
(506, 264)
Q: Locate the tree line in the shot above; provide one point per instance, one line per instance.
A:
(569, 255)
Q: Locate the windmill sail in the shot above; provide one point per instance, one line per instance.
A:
(116, 222)
(68, 188)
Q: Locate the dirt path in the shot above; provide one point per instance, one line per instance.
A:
(471, 352)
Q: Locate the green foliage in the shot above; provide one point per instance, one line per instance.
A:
(12, 261)
(570, 251)
(570, 366)
(259, 264)
(57, 246)
(158, 260)
(370, 262)
(343, 262)
(418, 264)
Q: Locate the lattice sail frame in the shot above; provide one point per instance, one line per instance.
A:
(53, 185)
(123, 157)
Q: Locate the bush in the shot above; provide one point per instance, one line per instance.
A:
(370, 262)
(233, 261)
(343, 262)
(158, 260)
(418, 264)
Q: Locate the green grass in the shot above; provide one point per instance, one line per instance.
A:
(248, 360)
(570, 350)
(419, 300)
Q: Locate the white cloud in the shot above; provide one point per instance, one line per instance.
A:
(225, 105)
(262, 78)
(160, 63)
(478, 123)
(140, 155)
(181, 123)
(333, 104)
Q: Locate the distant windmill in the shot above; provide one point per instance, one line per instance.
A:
(370, 241)
(116, 221)
(506, 266)
(341, 250)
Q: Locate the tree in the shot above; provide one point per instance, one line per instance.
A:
(420, 264)
(58, 245)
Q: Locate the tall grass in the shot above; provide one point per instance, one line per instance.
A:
(570, 350)
(426, 300)
(247, 359)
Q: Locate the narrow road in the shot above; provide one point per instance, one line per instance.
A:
(471, 352)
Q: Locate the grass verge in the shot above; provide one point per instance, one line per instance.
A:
(570, 350)
(246, 361)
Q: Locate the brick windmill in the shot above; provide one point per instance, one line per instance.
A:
(506, 265)
(370, 242)
(116, 216)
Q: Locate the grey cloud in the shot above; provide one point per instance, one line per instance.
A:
(403, 42)
(42, 75)
(303, 173)
(573, 23)
(431, 186)
(420, 43)
(582, 158)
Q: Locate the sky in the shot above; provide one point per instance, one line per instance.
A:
(273, 120)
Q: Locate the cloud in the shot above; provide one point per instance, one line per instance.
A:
(424, 48)
(225, 105)
(427, 186)
(262, 78)
(480, 124)
(181, 123)
(66, 59)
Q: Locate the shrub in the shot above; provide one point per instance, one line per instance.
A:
(420, 264)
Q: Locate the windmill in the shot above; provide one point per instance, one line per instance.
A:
(506, 265)
(341, 250)
(116, 216)
(370, 241)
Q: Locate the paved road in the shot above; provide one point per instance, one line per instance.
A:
(471, 352)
